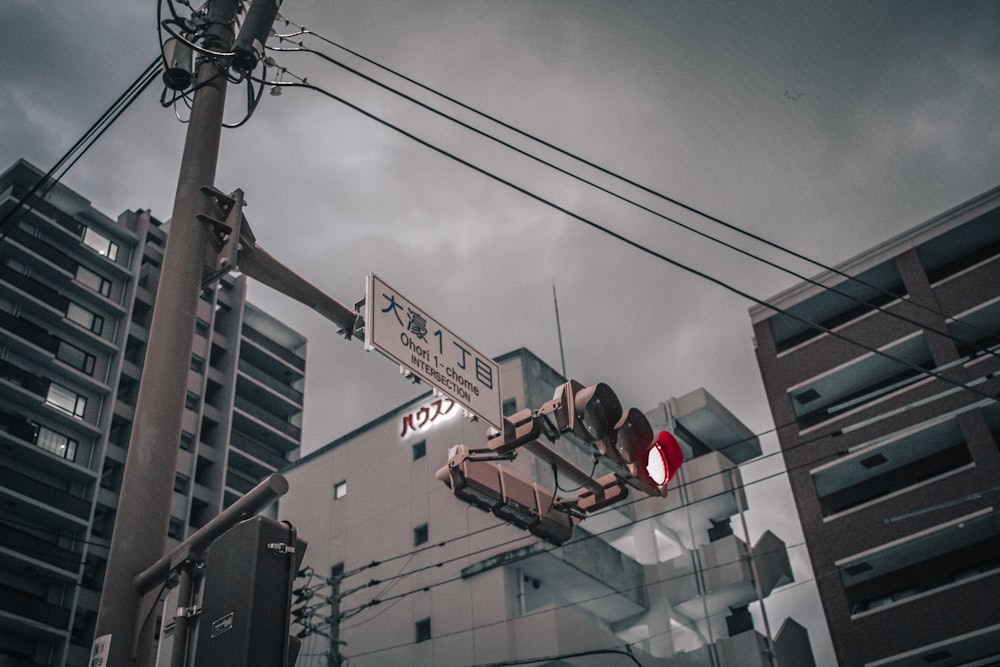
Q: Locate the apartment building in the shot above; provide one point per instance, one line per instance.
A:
(400, 571)
(882, 379)
(77, 291)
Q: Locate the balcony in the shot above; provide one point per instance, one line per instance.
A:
(30, 382)
(700, 414)
(29, 332)
(43, 249)
(37, 500)
(952, 554)
(262, 453)
(22, 549)
(837, 308)
(33, 288)
(32, 615)
(279, 395)
(41, 207)
(18, 437)
(890, 465)
(270, 357)
(861, 380)
(727, 579)
(264, 426)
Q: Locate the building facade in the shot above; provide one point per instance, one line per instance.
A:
(400, 571)
(889, 423)
(77, 291)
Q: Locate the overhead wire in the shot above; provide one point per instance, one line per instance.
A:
(632, 202)
(628, 241)
(915, 367)
(809, 463)
(511, 542)
(302, 30)
(550, 608)
(600, 228)
(85, 142)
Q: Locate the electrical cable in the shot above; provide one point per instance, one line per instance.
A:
(630, 242)
(548, 609)
(641, 498)
(562, 656)
(83, 144)
(580, 540)
(632, 202)
(302, 30)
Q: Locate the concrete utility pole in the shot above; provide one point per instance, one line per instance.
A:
(139, 540)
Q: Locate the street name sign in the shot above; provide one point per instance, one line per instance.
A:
(406, 334)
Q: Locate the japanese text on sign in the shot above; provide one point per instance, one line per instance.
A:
(405, 333)
(438, 409)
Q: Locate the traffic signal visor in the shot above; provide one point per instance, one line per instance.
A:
(596, 410)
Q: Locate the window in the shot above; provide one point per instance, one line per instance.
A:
(94, 281)
(420, 535)
(419, 450)
(102, 244)
(57, 443)
(176, 529)
(85, 318)
(423, 628)
(111, 475)
(75, 357)
(104, 522)
(339, 490)
(509, 407)
(67, 400)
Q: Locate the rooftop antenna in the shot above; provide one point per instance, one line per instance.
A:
(562, 355)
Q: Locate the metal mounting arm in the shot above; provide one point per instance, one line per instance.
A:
(235, 248)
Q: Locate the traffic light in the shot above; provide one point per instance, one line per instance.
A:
(494, 488)
(624, 437)
(247, 596)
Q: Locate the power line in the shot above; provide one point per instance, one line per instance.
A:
(302, 30)
(630, 242)
(568, 605)
(83, 144)
(686, 484)
(583, 539)
(861, 302)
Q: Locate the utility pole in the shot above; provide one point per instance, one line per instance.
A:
(140, 533)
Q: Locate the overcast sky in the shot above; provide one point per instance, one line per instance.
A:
(824, 126)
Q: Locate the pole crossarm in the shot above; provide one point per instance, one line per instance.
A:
(260, 265)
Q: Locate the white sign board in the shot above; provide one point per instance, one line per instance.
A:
(408, 335)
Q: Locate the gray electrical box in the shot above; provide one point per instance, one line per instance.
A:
(246, 596)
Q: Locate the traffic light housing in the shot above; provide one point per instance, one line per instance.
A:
(624, 437)
(494, 488)
(247, 595)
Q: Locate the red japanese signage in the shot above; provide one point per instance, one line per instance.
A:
(434, 412)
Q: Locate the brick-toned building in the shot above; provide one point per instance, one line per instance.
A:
(892, 445)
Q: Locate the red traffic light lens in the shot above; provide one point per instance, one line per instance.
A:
(656, 465)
